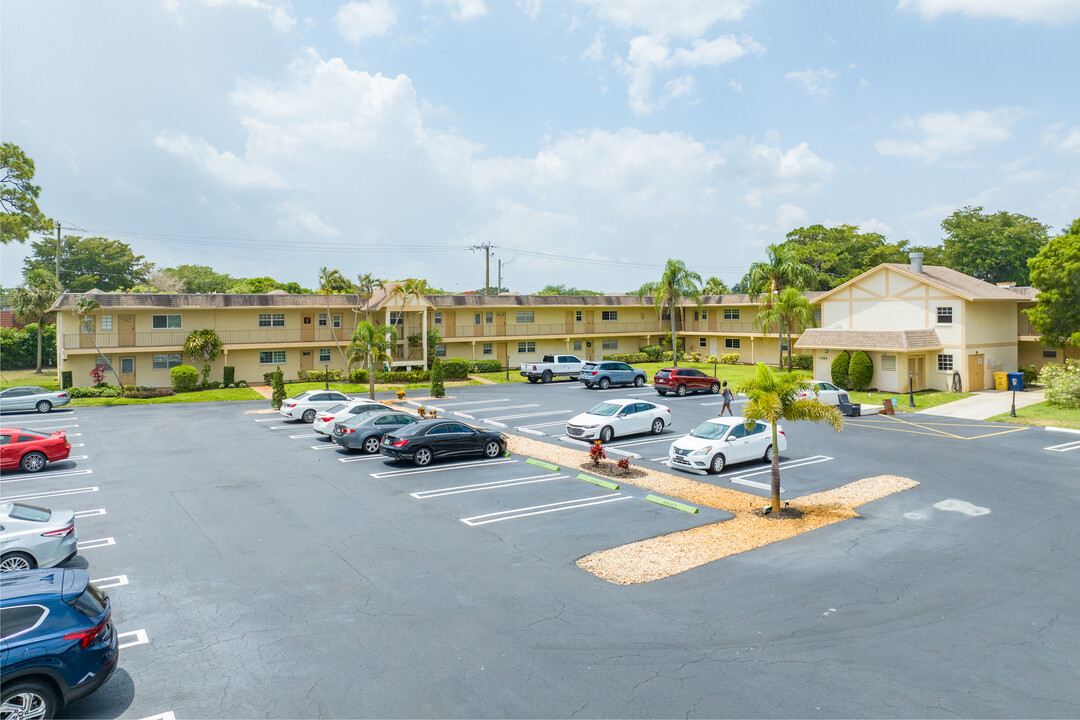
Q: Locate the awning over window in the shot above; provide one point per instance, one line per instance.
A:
(899, 341)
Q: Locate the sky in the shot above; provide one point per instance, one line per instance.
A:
(585, 141)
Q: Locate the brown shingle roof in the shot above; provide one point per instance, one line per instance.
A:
(891, 340)
(957, 282)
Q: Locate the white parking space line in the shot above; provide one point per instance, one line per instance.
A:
(467, 417)
(547, 424)
(78, 444)
(45, 421)
(45, 475)
(788, 465)
(542, 509)
(532, 414)
(443, 468)
(628, 443)
(1064, 447)
(269, 419)
(92, 544)
(472, 402)
(56, 427)
(89, 513)
(76, 457)
(530, 431)
(138, 637)
(74, 434)
(376, 456)
(324, 447)
(167, 715)
(285, 427)
(301, 437)
(492, 422)
(494, 485)
(110, 582)
(501, 407)
(49, 494)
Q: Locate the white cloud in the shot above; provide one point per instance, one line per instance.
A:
(280, 16)
(1063, 201)
(681, 87)
(736, 86)
(873, 225)
(767, 167)
(1062, 141)
(1046, 11)
(669, 18)
(466, 9)
(299, 221)
(815, 82)
(946, 133)
(789, 217)
(225, 166)
(531, 7)
(595, 51)
(357, 21)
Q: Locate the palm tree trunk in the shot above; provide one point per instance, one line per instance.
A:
(371, 381)
(789, 347)
(780, 343)
(775, 472)
(674, 339)
(38, 346)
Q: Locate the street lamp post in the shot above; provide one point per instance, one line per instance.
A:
(326, 377)
(911, 388)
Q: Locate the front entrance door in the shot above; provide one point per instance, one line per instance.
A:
(915, 370)
(503, 356)
(569, 322)
(127, 331)
(588, 322)
(307, 360)
(976, 372)
(307, 328)
(588, 347)
(500, 323)
(127, 368)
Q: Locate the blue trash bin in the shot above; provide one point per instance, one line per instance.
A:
(1016, 381)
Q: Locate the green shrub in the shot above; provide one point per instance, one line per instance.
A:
(456, 368)
(358, 377)
(228, 376)
(802, 361)
(483, 366)
(103, 390)
(1031, 374)
(1062, 383)
(652, 352)
(638, 357)
(438, 372)
(18, 348)
(65, 379)
(839, 370)
(184, 378)
(319, 375)
(692, 356)
(860, 370)
(729, 358)
(277, 382)
(241, 383)
(268, 378)
(153, 393)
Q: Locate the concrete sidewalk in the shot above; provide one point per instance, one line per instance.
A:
(985, 404)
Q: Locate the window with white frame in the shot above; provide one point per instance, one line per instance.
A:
(322, 319)
(944, 363)
(524, 316)
(527, 346)
(610, 315)
(440, 351)
(888, 363)
(610, 343)
(944, 316)
(88, 324)
(487, 349)
(271, 357)
(703, 342)
(397, 318)
(577, 345)
(1049, 353)
(476, 318)
(106, 322)
(104, 362)
(165, 322)
(577, 316)
(437, 320)
(271, 319)
(337, 321)
(489, 317)
(731, 343)
(731, 313)
(168, 360)
(324, 355)
(702, 315)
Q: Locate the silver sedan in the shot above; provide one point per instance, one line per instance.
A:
(34, 537)
(31, 397)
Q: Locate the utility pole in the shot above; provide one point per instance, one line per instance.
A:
(58, 252)
(486, 247)
(498, 287)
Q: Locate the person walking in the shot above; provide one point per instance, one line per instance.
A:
(728, 397)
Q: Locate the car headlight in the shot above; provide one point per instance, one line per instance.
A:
(703, 451)
(590, 427)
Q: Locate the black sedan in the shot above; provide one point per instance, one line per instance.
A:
(365, 431)
(437, 438)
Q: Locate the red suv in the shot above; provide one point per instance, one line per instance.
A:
(683, 380)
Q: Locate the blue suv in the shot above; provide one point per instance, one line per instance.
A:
(57, 641)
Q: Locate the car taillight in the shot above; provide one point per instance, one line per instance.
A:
(595, 372)
(781, 431)
(345, 431)
(85, 637)
(534, 367)
(290, 404)
(328, 418)
(400, 443)
(62, 395)
(62, 532)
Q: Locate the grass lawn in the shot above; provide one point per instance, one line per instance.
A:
(199, 396)
(1043, 414)
(734, 374)
(11, 378)
(294, 389)
(923, 399)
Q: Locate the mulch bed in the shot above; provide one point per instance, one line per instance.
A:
(608, 469)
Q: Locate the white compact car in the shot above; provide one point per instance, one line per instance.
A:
(826, 393)
(325, 420)
(307, 405)
(717, 442)
(617, 418)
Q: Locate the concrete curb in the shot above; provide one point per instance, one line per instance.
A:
(1064, 430)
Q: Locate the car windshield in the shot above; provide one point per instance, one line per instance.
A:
(663, 373)
(606, 409)
(335, 408)
(588, 366)
(710, 431)
(18, 511)
(304, 395)
(34, 433)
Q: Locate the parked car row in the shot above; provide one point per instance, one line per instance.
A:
(31, 450)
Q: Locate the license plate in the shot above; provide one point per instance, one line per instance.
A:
(680, 460)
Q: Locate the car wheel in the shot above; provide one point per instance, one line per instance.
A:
(492, 449)
(606, 434)
(28, 699)
(44, 406)
(534, 380)
(767, 457)
(604, 383)
(546, 377)
(11, 562)
(371, 444)
(308, 416)
(717, 465)
(681, 391)
(32, 462)
(661, 392)
(588, 385)
(639, 381)
(715, 388)
(657, 426)
(422, 457)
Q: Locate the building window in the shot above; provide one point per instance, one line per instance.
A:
(322, 319)
(271, 319)
(88, 325)
(440, 351)
(165, 322)
(731, 343)
(610, 343)
(888, 363)
(337, 321)
(1047, 353)
(944, 363)
(104, 362)
(127, 365)
(731, 313)
(525, 316)
(476, 318)
(488, 317)
(438, 319)
(577, 316)
(397, 318)
(170, 360)
(324, 355)
(609, 315)
(704, 315)
(703, 342)
(272, 357)
(784, 345)
(487, 349)
(577, 345)
(944, 316)
(528, 346)
(106, 322)
(817, 316)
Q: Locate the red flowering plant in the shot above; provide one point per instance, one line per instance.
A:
(623, 465)
(98, 374)
(596, 453)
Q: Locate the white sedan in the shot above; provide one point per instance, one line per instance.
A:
(826, 393)
(307, 405)
(617, 418)
(325, 420)
(722, 440)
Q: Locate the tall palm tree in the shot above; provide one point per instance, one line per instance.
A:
(371, 347)
(715, 286)
(404, 291)
(31, 301)
(782, 269)
(797, 313)
(332, 282)
(84, 310)
(774, 397)
(675, 284)
(768, 317)
(204, 344)
(366, 285)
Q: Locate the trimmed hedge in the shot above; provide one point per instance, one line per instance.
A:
(437, 374)
(638, 357)
(97, 391)
(860, 371)
(145, 394)
(184, 378)
(277, 382)
(729, 358)
(457, 368)
(65, 379)
(839, 369)
(228, 375)
(802, 361)
(319, 375)
(652, 352)
(482, 366)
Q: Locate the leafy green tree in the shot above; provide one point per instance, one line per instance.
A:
(1055, 271)
(715, 286)
(860, 371)
(796, 313)
(366, 285)
(677, 283)
(371, 347)
(31, 302)
(438, 374)
(85, 308)
(405, 290)
(838, 254)
(277, 384)
(782, 269)
(839, 369)
(90, 262)
(995, 248)
(205, 345)
(19, 212)
(774, 397)
(332, 282)
(565, 290)
(263, 285)
(202, 279)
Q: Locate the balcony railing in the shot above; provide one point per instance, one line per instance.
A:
(1024, 329)
(176, 338)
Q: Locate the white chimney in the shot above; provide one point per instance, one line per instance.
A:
(916, 262)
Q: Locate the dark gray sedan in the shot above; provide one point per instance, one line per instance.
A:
(365, 431)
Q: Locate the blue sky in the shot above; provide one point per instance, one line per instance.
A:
(587, 140)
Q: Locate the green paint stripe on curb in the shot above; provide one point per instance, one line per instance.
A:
(672, 504)
(541, 463)
(598, 481)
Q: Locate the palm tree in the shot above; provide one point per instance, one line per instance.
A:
(332, 282)
(204, 344)
(84, 309)
(370, 347)
(404, 291)
(675, 284)
(782, 270)
(715, 286)
(772, 397)
(797, 313)
(768, 316)
(366, 285)
(32, 301)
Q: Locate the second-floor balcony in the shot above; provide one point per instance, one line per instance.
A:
(176, 338)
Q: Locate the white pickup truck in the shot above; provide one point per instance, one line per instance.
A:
(551, 367)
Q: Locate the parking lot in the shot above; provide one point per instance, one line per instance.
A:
(257, 570)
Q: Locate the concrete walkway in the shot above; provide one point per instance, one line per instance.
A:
(984, 404)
